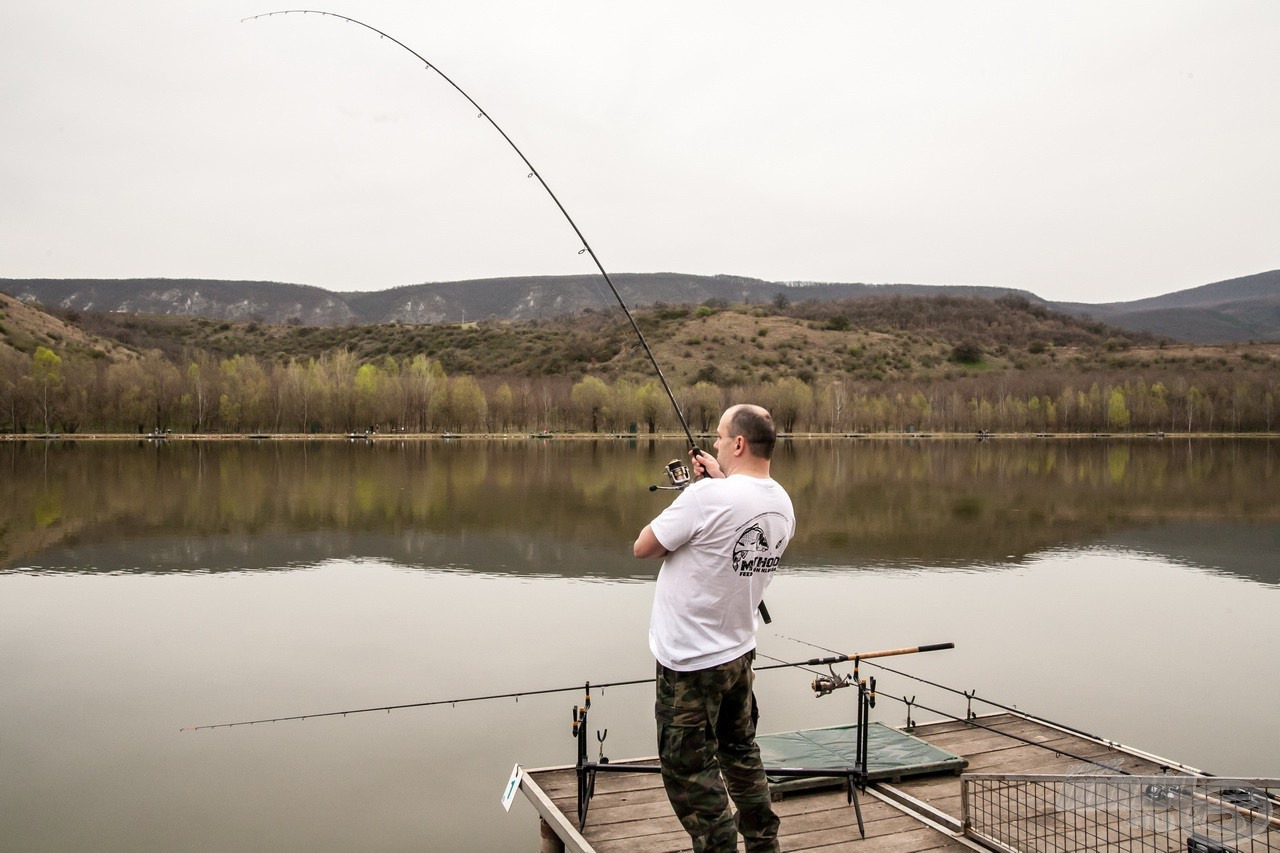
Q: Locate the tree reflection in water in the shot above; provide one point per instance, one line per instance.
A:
(571, 507)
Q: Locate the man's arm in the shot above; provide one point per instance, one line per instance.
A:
(647, 545)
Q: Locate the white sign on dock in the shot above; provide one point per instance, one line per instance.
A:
(512, 785)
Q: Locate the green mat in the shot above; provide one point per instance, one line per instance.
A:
(891, 754)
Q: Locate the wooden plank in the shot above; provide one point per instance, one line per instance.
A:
(559, 783)
(554, 818)
(630, 811)
(967, 741)
(907, 837)
(636, 799)
(918, 840)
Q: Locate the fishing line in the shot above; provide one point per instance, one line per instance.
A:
(533, 173)
(577, 687)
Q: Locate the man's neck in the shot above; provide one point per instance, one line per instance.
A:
(750, 466)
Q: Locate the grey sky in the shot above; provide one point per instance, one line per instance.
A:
(1087, 151)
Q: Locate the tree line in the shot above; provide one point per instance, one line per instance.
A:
(337, 392)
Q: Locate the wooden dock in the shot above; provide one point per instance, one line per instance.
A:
(629, 812)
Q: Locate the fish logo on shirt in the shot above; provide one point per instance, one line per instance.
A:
(751, 553)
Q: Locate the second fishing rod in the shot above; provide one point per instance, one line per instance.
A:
(837, 658)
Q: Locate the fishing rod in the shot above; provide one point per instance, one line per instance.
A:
(971, 696)
(533, 173)
(857, 656)
(679, 479)
(971, 718)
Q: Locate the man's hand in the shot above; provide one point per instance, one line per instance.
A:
(704, 464)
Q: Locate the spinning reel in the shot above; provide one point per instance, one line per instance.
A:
(825, 685)
(678, 475)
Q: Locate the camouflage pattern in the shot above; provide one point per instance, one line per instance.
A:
(706, 731)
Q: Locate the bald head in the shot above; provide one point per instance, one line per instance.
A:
(755, 425)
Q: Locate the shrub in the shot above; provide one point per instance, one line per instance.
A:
(966, 352)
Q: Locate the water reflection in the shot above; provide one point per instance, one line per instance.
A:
(568, 508)
(255, 580)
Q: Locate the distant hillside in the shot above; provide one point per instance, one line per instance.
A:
(870, 338)
(523, 298)
(24, 327)
(952, 363)
(1238, 310)
(225, 300)
(1233, 311)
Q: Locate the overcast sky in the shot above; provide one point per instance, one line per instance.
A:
(1086, 151)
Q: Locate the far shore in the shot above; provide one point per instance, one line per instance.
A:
(620, 436)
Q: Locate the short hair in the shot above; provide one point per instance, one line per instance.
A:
(755, 424)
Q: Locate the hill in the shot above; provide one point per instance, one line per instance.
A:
(1236, 310)
(871, 338)
(25, 327)
(522, 298)
(954, 363)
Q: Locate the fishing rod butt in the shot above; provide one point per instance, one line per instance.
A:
(936, 647)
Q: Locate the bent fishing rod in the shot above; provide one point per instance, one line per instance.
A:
(827, 661)
(533, 173)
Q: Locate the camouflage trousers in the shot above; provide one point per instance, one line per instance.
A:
(707, 741)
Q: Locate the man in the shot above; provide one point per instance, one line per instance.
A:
(722, 539)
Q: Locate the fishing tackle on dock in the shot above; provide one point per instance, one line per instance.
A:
(853, 770)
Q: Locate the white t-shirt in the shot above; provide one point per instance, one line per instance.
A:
(726, 537)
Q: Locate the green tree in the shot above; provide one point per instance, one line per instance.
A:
(423, 378)
(624, 407)
(791, 399)
(652, 402)
(164, 390)
(370, 395)
(300, 392)
(338, 375)
(46, 371)
(467, 405)
(1117, 410)
(703, 405)
(590, 398)
(76, 403)
(921, 410)
(1159, 404)
(244, 403)
(1194, 401)
(127, 385)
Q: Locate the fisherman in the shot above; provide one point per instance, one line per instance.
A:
(721, 539)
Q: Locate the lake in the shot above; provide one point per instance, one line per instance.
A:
(1126, 586)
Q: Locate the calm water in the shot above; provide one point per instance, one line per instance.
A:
(1130, 588)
